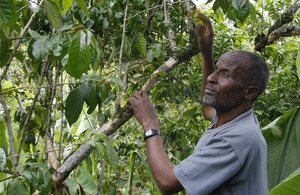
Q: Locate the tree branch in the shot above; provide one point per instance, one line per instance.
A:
(9, 129)
(262, 40)
(168, 22)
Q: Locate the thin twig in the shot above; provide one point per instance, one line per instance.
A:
(9, 128)
(38, 87)
(120, 96)
(33, 105)
(5, 69)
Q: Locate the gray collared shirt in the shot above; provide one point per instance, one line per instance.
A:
(230, 159)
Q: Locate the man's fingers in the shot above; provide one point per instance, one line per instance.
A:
(205, 20)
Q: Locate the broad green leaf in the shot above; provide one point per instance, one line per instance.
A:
(241, 13)
(72, 184)
(92, 98)
(101, 136)
(216, 5)
(18, 187)
(85, 90)
(67, 4)
(79, 56)
(83, 6)
(41, 47)
(2, 159)
(225, 4)
(8, 12)
(156, 50)
(141, 43)
(86, 181)
(53, 14)
(284, 152)
(88, 91)
(3, 45)
(112, 155)
(298, 62)
(74, 104)
(288, 186)
(56, 44)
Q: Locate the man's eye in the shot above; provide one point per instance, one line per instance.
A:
(225, 74)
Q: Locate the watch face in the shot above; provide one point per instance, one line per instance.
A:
(148, 133)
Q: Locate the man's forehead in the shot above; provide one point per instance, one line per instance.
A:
(234, 60)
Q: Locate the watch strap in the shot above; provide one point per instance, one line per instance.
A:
(150, 132)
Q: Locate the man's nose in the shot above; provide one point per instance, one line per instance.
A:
(212, 78)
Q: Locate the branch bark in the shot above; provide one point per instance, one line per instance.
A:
(9, 129)
(262, 40)
(120, 96)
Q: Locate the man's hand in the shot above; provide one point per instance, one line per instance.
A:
(205, 34)
(144, 110)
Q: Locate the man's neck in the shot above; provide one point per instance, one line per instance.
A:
(224, 117)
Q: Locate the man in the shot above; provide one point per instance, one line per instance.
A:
(230, 157)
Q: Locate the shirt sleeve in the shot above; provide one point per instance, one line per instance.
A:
(208, 167)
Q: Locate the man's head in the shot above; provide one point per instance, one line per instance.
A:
(239, 77)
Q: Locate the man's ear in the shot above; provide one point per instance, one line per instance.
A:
(251, 92)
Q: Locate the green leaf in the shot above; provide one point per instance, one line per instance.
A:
(288, 186)
(74, 104)
(88, 91)
(67, 4)
(18, 187)
(141, 43)
(225, 4)
(86, 181)
(284, 152)
(3, 44)
(156, 50)
(112, 155)
(72, 184)
(92, 99)
(40, 48)
(53, 14)
(298, 62)
(2, 159)
(83, 6)
(56, 44)
(276, 131)
(79, 56)
(8, 12)
(106, 150)
(131, 171)
(241, 13)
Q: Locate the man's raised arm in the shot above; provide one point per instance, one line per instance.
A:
(205, 44)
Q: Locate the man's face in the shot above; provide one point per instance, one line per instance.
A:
(225, 86)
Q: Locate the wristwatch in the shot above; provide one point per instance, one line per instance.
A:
(150, 133)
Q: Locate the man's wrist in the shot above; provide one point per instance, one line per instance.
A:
(150, 132)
